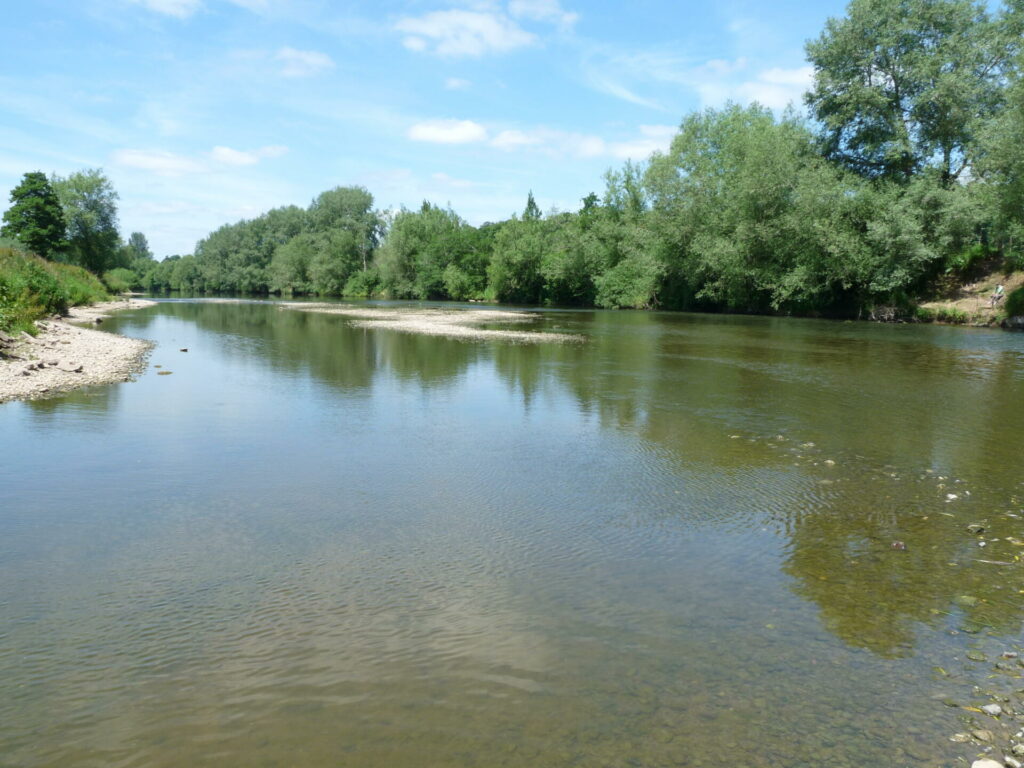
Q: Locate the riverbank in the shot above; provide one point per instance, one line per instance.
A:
(971, 304)
(65, 356)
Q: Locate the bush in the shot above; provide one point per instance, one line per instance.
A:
(963, 263)
(951, 315)
(31, 288)
(120, 280)
(362, 284)
(1015, 303)
(924, 315)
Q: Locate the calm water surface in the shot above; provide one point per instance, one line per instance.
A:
(320, 545)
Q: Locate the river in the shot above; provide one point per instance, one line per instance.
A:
(671, 544)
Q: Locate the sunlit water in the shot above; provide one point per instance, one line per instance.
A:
(320, 545)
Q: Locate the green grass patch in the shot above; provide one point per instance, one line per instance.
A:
(31, 288)
(951, 315)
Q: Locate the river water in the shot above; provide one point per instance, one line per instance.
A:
(315, 544)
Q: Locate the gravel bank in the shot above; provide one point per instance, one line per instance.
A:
(64, 356)
(454, 323)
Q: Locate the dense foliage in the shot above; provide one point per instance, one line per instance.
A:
(910, 174)
(907, 177)
(35, 218)
(32, 287)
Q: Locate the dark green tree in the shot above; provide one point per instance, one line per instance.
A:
(35, 218)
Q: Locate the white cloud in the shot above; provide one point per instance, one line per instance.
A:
(653, 138)
(542, 10)
(456, 84)
(715, 81)
(463, 33)
(256, 6)
(302, 63)
(557, 143)
(777, 88)
(229, 156)
(620, 91)
(180, 9)
(157, 161)
(448, 132)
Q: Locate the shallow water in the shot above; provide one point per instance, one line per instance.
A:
(321, 545)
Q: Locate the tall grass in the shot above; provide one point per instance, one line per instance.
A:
(31, 288)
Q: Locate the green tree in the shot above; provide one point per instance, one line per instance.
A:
(532, 210)
(349, 208)
(514, 273)
(35, 218)
(427, 253)
(904, 84)
(1002, 166)
(89, 202)
(139, 246)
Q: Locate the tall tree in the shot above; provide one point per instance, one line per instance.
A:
(35, 218)
(90, 213)
(1002, 165)
(904, 84)
(532, 210)
(349, 208)
(139, 246)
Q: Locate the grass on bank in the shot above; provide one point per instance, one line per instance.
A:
(32, 288)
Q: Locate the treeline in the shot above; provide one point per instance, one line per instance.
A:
(908, 171)
(73, 220)
(907, 174)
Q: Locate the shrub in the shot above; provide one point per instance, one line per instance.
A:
(924, 315)
(951, 315)
(1015, 303)
(120, 280)
(31, 288)
(362, 284)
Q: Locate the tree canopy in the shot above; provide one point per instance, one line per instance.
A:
(89, 202)
(35, 218)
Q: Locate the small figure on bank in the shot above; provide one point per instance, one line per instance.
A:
(997, 295)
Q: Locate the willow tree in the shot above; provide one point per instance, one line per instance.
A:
(901, 85)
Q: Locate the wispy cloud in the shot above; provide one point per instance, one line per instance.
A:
(447, 132)
(456, 33)
(229, 156)
(543, 10)
(456, 84)
(559, 143)
(714, 81)
(180, 9)
(164, 163)
(296, 63)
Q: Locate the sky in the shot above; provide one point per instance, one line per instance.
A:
(205, 112)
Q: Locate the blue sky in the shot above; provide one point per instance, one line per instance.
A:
(203, 112)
